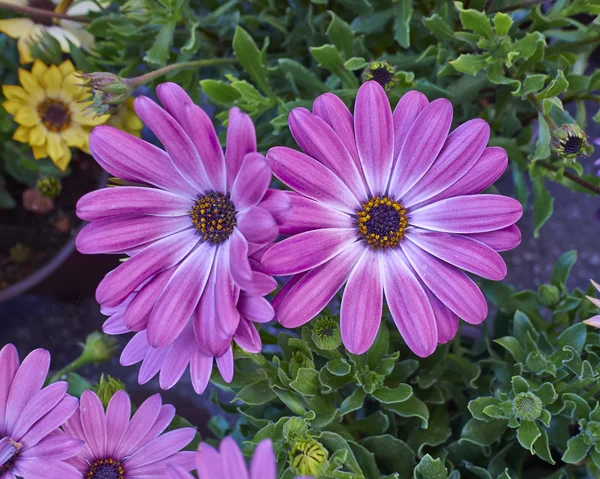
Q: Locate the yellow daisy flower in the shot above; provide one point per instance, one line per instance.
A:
(126, 119)
(49, 108)
(29, 29)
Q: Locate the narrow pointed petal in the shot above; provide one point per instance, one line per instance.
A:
(362, 303)
(50, 422)
(310, 215)
(461, 251)
(461, 151)
(263, 461)
(504, 239)
(136, 349)
(310, 178)
(252, 181)
(225, 365)
(30, 468)
(238, 260)
(118, 414)
(152, 363)
(200, 370)
(247, 337)
(409, 305)
(452, 287)
(468, 214)
(423, 142)
(38, 405)
(445, 320)
(9, 363)
(406, 112)
(177, 359)
(176, 472)
(141, 423)
(374, 127)
(93, 421)
(241, 140)
(209, 462)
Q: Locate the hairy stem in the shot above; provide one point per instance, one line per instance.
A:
(148, 77)
(39, 12)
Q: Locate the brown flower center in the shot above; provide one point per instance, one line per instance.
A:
(106, 469)
(55, 114)
(381, 222)
(214, 217)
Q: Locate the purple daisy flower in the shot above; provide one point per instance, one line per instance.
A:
(228, 462)
(31, 444)
(190, 225)
(184, 351)
(389, 204)
(118, 446)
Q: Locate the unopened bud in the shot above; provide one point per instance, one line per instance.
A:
(49, 187)
(570, 142)
(548, 294)
(308, 458)
(326, 333)
(527, 406)
(109, 91)
(137, 11)
(98, 348)
(295, 429)
(299, 360)
(107, 388)
(383, 73)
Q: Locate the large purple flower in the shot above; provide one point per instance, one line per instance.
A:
(31, 445)
(172, 360)
(118, 446)
(228, 462)
(390, 204)
(189, 223)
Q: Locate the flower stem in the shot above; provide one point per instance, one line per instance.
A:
(40, 12)
(540, 108)
(574, 178)
(571, 45)
(148, 77)
(69, 368)
(517, 6)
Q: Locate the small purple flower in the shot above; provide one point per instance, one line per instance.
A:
(389, 204)
(228, 462)
(189, 223)
(118, 446)
(31, 443)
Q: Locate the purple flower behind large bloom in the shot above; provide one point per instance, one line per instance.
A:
(389, 205)
(31, 445)
(119, 446)
(189, 227)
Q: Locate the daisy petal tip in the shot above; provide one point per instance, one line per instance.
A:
(594, 322)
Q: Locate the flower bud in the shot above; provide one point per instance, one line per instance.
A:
(381, 72)
(326, 333)
(295, 429)
(107, 388)
(592, 431)
(137, 11)
(299, 360)
(527, 406)
(49, 187)
(109, 91)
(308, 458)
(548, 294)
(369, 380)
(536, 362)
(98, 348)
(570, 142)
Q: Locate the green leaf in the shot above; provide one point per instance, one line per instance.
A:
(527, 434)
(513, 346)
(477, 405)
(543, 205)
(438, 26)
(412, 407)
(542, 447)
(301, 76)
(77, 384)
(522, 327)
(430, 468)
(355, 63)
(250, 58)
(391, 454)
(338, 367)
(556, 87)
(340, 34)
(521, 189)
(329, 58)
(580, 408)
(306, 382)
(219, 91)
(573, 336)
(577, 449)
(470, 64)
(402, 15)
(436, 433)
(255, 394)
(352, 402)
(483, 433)
(475, 20)
(562, 268)
(502, 22)
(542, 147)
(533, 83)
(519, 384)
(546, 393)
(390, 396)
(158, 54)
(335, 442)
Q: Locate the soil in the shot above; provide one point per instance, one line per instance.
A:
(43, 235)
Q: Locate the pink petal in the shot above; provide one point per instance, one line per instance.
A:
(115, 325)
(315, 289)
(452, 287)
(241, 140)
(210, 463)
(409, 305)
(176, 472)
(406, 112)
(468, 214)
(177, 359)
(160, 448)
(200, 369)
(238, 260)
(252, 181)
(362, 304)
(152, 364)
(180, 148)
(374, 127)
(132, 200)
(421, 147)
(263, 461)
(318, 140)
(255, 308)
(180, 296)
(310, 178)
(462, 149)
(278, 203)
(9, 363)
(594, 321)
(118, 414)
(258, 225)
(38, 405)
(136, 349)
(50, 422)
(139, 426)
(93, 421)
(161, 255)
(30, 468)
(132, 159)
(54, 447)
(307, 250)
(233, 461)
(445, 320)
(225, 365)
(247, 337)
(460, 251)
(501, 240)
(115, 235)
(309, 215)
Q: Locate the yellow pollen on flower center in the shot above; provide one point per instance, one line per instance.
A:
(381, 222)
(106, 469)
(214, 217)
(55, 114)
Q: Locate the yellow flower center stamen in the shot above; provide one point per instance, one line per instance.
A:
(55, 114)
(214, 217)
(106, 469)
(381, 222)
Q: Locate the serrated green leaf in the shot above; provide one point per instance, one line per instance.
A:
(513, 346)
(306, 382)
(355, 63)
(502, 22)
(556, 87)
(475, 20)
(412, 407)
(330, 59)
(577, 449)
(338, 367)
(352, 402)
(430, 468)
(477, 405)
(519, 384)
(250, 58)
(438, 26)
(546, 393)
(573, 336)
(158, 54)
(543, 205)
(470, 64)
(391, 454)
(301, 76)
(533, 83)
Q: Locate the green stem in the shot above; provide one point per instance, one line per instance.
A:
(69, 368)
(518, 6)
(40, 12)
(540, 108)
(588, 97)
(570, 45)
(150, 76)
(574, 178)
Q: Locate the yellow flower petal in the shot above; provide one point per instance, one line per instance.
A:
(12, 106)
(32, 87)
(27, 116)
(87, 117)
(53, 81)
(54, 144)
(71, 89)
(38, 71)
(66, 67)
(37, 135)
(15, 92)
(16, 27)
(75, 136)
(39, 152)
(65, 159)
(24, 50)
(22, 134)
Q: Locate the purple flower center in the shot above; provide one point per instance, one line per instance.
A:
(55, 114)
(382, 75)
(9, 452)
(214, 217)
(573, 145)
(106, 469)
(381, 222)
